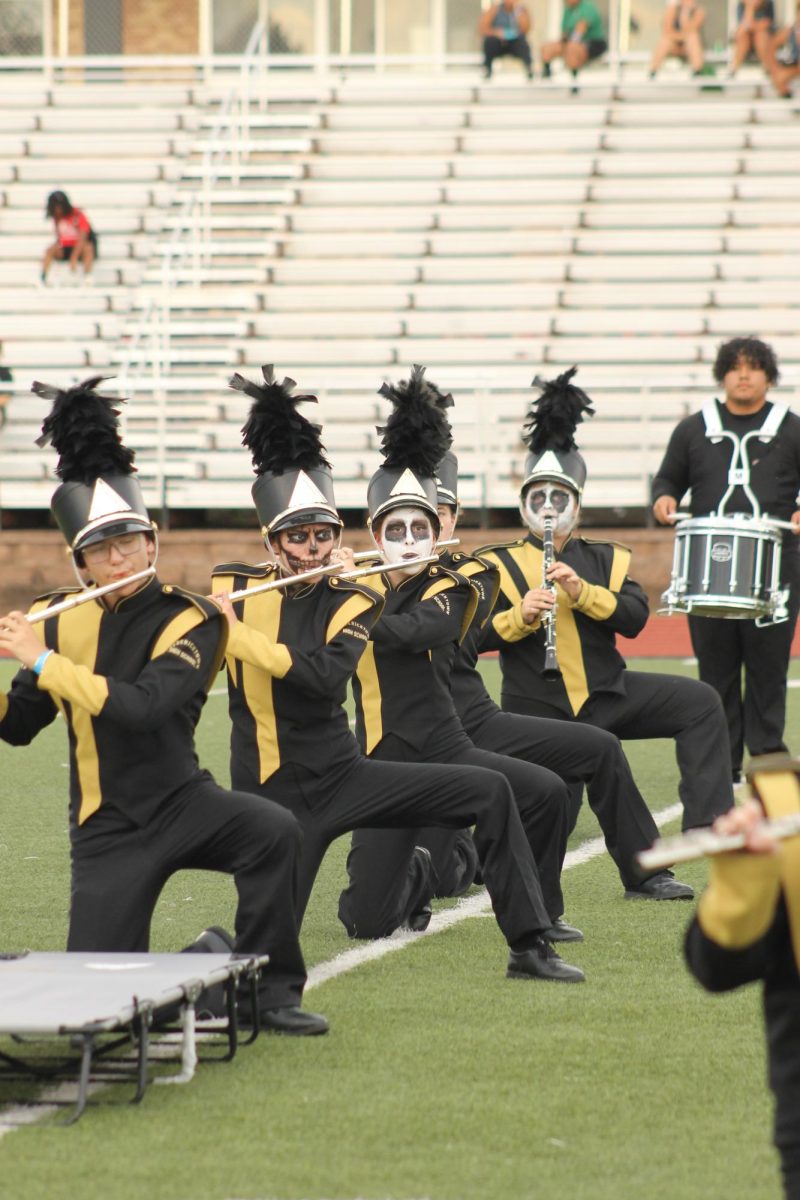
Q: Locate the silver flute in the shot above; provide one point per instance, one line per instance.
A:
(701, 843)
(551, 667)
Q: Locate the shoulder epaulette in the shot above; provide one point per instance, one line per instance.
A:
(58, 592)
(248, 570)
(463, 563)
(520, 541)
(604, 542)
(207, 606)
(355, 585)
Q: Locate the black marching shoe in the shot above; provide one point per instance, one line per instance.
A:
(562, 931)
(663, 886)
(541, 962)
(292, 1021)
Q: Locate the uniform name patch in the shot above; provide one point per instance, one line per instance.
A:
(357, 630)
(187, 652)
(444, 603)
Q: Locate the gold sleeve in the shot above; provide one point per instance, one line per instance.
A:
(739, 904)
(253, 647)
(75, 684)
(510, 625)
(595, 601)
(3, 705)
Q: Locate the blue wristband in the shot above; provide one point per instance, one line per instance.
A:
(41, 660)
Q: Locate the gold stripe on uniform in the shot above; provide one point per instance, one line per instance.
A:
(178, 627)
(779, 792)
(78, 638)
(263, 612)
(370, 698)
(356, 606)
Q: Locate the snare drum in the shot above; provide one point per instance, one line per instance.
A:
(726, 567)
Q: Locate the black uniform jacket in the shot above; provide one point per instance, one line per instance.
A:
(131, 685)
(289, 660)
(693, 461)
(586, 628)
(472, 701)
(402, 685)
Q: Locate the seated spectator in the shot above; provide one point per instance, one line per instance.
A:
(786, 57)
(76, 241)
(681, 36)
(755, 29)
(503, 28)
(5, 377)
(582, 37)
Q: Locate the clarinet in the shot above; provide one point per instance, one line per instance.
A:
(551, 668)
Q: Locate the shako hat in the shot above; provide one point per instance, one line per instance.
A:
(415, 439)
(294, 484)
(447, 480)
(549, 433)
(99, 495)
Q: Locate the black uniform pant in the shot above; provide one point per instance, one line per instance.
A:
(379, 861)
(364, 793)
(495, 47)
(660, 706)
(581, 755)
(119, 871)
(782, 1014)
(756, 713)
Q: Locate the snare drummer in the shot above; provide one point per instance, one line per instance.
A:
(770, 469)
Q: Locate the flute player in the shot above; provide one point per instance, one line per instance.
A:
(130, 673)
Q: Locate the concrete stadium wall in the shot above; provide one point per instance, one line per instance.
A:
(33, 562)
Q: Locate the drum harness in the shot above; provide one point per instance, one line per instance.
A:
(739, 475)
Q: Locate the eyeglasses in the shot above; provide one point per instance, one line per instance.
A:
(127, 544)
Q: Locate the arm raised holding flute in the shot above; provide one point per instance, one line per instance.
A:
(747, 928)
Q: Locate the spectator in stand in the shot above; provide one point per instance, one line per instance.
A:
(786, 57)
(755, 30)
(681, 36)
(582, 37)
(76, 241)
(5, 377)
(503, 28)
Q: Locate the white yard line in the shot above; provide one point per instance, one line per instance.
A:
(474, 906)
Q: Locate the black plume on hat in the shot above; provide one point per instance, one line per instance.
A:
(278, 436)
(417, 433)
(554, 416)
(83, 427)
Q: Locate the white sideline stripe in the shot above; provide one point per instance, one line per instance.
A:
(473, 906)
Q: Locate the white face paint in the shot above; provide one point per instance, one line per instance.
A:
(406, 533)
(549, 499)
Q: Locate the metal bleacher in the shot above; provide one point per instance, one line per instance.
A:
(346, 228)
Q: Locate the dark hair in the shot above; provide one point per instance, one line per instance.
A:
(60, 199)
(757, 353)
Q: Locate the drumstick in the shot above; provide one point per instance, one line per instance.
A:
(90, 594)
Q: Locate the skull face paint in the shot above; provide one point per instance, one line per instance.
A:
(549, 499)
(304, 547)
(406, 533)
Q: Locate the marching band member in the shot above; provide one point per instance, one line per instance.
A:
(405, 713)
(594, 600)
(762, 465)
(747, 928)
(130, 674)
(579, 754)
(291, 652)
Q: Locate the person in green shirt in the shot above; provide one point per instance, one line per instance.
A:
(582, 37)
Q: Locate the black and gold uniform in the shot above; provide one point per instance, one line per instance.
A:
(289, 659)
(405, 713)
(130, 684)
(578, 754)
(747, 928)
(595, 688)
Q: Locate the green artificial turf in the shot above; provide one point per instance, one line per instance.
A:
(440, 1078)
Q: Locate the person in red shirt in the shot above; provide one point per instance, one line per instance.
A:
(76, 241)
